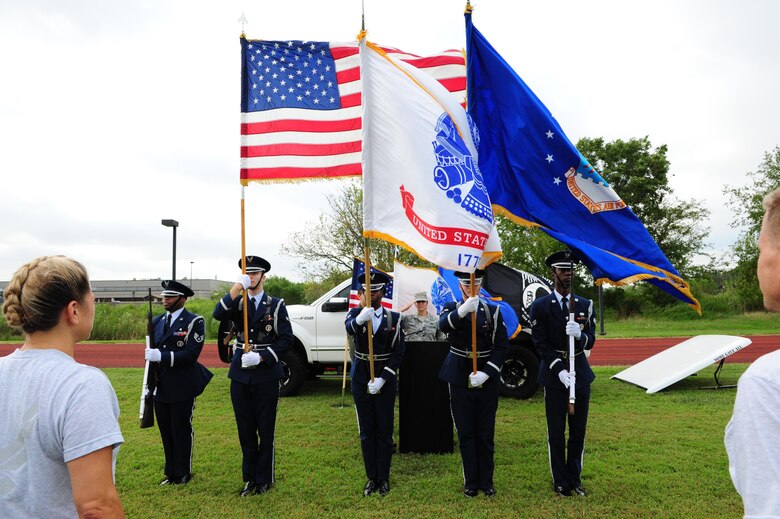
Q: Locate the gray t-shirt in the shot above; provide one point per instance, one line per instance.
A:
(52, 410)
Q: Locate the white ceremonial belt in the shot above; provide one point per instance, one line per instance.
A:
(255, 347)
(377, 356)
(564, 354)
(469, 353)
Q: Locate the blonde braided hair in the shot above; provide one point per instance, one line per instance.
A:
(40, 289)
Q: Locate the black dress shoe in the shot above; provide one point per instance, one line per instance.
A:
(181, 481)
(166, 481)
(579, 490)
(262, 488)
(490, 492)
(470, 492)
(384, 488)
(370, 487)
(248, 490)
(562, 491)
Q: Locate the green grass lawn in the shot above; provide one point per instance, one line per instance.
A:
(754, 323)
(656, 455)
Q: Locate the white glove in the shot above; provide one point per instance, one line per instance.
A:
(250, 359)
(478, 378)
(365, 315)
(244, 280)
(468, 306)
(566, 378)
(573, 329)
(152, 354)
(376, 385)
(587, 353)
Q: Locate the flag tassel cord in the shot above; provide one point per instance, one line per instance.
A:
(344, 376)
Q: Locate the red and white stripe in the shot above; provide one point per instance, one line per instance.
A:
(295, 144)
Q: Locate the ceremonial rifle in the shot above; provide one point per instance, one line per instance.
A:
(150, 375)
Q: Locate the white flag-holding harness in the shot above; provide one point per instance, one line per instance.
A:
(422, 187)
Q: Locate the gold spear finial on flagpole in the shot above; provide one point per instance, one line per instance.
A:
(362, 33)
(469, 7)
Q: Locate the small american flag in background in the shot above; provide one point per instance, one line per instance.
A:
(359, 277)
(301, 106)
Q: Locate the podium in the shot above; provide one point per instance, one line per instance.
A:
(424, 418)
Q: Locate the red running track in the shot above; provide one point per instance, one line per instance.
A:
(607, 352)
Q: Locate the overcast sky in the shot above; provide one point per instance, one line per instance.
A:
(115, 115)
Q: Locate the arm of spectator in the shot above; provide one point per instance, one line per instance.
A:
(92, 479)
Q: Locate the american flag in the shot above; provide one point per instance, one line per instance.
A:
(301, 106)
(359, 277)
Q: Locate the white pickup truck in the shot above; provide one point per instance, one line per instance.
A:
(320, 337)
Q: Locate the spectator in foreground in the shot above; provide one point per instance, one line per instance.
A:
(60, 432)
(751, 434)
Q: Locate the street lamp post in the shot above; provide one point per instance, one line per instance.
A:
(174, 224)
(191, 262)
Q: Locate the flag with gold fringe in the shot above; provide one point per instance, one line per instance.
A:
(422, 187)
(301, 104)
(536, 177)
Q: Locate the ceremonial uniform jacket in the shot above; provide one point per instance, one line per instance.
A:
(492, 342)
(388, 346)
(270, 335)
(180, 376)
(421, 329)
(548, 330)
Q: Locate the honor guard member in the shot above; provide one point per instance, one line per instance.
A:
(178, 337)
(474, 396)
(375, 400)
(421, 326)
(550, 331)
(256, 371)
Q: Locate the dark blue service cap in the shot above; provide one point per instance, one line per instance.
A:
(562, 259)
(174, 288)
(464, 278)
(377, 281)
(255, 264)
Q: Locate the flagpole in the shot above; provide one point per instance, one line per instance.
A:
(344, 377)
(243, 268)
(473, 327)
(367, 292)
(572, 396)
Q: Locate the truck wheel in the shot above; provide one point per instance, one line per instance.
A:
(518, 374)
(294, 374)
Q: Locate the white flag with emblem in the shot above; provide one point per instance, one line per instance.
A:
(422, 187)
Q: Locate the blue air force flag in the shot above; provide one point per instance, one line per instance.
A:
(536, 177)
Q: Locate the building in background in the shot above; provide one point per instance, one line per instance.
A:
(135, 290)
